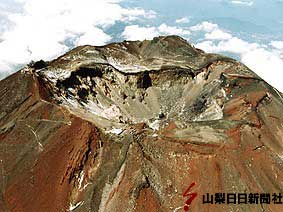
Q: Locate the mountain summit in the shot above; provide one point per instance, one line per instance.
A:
(138, 126)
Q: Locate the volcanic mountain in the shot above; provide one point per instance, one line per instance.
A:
(156, 125)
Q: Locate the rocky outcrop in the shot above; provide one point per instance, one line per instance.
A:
(130, 126)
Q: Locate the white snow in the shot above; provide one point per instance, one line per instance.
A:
(116, 131)
(112, 112)
(224, 94)
(73, 207)
(155, 135)
(177, 209)
(125, 66)
(110, 187)
(213, 112)
(57, 74)
(154, 125)
(81, 178)
(200, 78)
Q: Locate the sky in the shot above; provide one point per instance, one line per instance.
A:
(250, 31)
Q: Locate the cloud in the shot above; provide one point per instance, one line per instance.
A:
(213, 32)
(204, 26)
(93, 36)
(264, 61)
(266, 64)
(172, 30)
(277, 47)
(183, 20)
(138, 13)
(136, 32)
(46, 29)
(277, 44)
(233, 45)
(218, 34)
(242, 2)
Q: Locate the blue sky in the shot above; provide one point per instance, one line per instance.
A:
(248, 30)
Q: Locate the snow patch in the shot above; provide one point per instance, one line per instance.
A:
(200, 78)
(85, 186)
(224, 94)
(177, 209)
(133, 68)
(108, 189)
(73, 207)
(57, 74)
(81, 178)
(155, 125)
(116, 131)
(213, 112)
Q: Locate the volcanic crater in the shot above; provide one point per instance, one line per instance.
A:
(129, 126)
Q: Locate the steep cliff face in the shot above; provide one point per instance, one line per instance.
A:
(130, 126)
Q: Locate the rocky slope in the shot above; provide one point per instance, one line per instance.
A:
(130, 126)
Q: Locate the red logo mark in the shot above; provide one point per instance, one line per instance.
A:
(191, 196)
